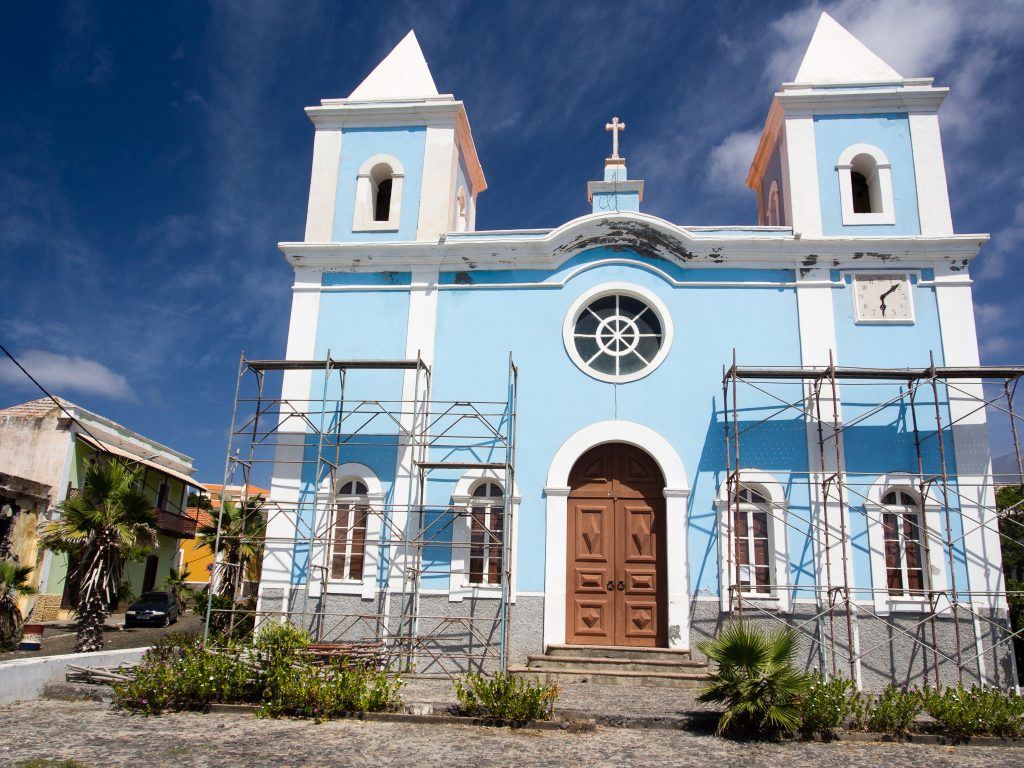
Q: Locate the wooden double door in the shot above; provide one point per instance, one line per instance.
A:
(617, 573)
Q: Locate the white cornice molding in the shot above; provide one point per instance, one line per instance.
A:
(861, 100)
(644, 234)
(443, 110)
(633, 186)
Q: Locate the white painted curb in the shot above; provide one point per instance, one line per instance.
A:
(24, 679)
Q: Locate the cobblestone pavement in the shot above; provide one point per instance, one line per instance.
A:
(60, 638)
(41, 733)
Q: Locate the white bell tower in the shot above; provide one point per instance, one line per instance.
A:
(393, 161)
(852, 147)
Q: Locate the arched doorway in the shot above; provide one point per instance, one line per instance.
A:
(616, 561)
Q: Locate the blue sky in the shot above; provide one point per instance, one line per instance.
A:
(153, 154)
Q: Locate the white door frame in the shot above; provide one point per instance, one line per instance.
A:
(556, 492)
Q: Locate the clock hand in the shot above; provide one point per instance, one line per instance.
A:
(883, 296)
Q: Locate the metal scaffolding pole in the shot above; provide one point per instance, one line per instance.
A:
(305, 442)
(763, 380)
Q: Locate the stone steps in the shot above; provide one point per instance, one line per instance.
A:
(598, 664)
(608, 665)
(617, 652)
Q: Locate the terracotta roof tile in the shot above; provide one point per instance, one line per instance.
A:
(34, 409)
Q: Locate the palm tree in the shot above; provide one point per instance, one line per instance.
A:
(13, 585)
(240, 544)
(100, 529)
(177, 584)
(755, 678)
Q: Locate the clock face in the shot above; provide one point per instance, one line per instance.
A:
(883, 299)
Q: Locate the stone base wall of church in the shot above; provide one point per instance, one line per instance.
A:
(894, 649)
(454, 637)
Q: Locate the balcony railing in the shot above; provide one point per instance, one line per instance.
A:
(170, 523)
(178, 526)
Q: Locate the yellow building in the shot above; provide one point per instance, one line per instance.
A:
(196, 559)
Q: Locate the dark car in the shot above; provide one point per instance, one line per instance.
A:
(153, 609)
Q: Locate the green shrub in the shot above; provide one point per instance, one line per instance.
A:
(891, 711)
(182, 674)
(323, 692)
(504, 698)
(827, 704)
(754, 679)
(962, 713)
(281, 637)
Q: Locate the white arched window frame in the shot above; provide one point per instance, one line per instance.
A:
(461, 211)
(779, 595)
(459, 586)
(874, 164)
(328, 501)
(773, 205)
(371, 173)
(934, 550)
(654, 305)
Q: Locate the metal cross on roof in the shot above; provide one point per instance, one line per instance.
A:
(615, 126)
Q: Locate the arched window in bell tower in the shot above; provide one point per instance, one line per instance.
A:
(378, 195)
(382, 183)
(861, 192)
(865, 186)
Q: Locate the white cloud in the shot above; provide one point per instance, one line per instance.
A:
(1005, 244)
(59, 373)
(990, 316)
(919, 38)
(729, 162)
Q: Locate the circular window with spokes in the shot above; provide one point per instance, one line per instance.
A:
(617, 333)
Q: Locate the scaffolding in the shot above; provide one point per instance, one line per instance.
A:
(403, 539)
(836, 607)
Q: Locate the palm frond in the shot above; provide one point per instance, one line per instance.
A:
(754, 678)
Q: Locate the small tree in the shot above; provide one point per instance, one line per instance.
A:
(199, 500)
(177, 584)
(240, 543)
(13, 585)
(108, 523)
(754, 678)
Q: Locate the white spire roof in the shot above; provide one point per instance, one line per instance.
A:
(836, 56)
(403, 74)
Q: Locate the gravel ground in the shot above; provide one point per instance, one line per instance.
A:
(60, 638)
(42, 733)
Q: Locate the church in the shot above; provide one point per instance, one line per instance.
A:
(495, 449)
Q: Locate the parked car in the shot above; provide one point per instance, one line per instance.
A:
(153, 609)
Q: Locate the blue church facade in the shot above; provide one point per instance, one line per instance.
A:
(619, 332)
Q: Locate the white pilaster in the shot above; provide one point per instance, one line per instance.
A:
(323, 185)
(420, 339)
(930, 174)
(286, 479)
(803, 196)
(556, 541)
(676, 542)
(970, 439)
(817, 343)
(437, 192)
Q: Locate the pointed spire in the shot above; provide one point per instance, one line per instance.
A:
(836, 56)
(403, 74)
